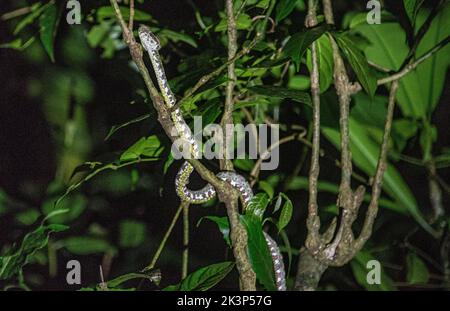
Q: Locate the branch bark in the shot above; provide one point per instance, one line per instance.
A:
(227, 117)
(313, 221)
(372, 210)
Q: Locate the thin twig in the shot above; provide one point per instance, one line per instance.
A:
(16, 13)
(443, 184)
(298, 167)
(227, 117)
(372, 210)
(256, 168)
(185, 259)
(414, 65)
(166, 236)
(127, 35)
(313, 220)
(130, 22)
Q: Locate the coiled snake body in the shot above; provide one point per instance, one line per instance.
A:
(151, 44)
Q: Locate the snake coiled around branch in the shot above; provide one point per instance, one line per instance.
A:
(151, 44)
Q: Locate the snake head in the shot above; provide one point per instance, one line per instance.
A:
(149, 41)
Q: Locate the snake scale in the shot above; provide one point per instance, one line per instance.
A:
(151, 44)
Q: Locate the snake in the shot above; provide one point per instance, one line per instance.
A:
(151, 44)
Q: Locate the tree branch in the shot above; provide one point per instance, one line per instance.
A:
(372, 210)
(256, 168)
(414, 65)
(185, 259)
(238, 236)
(130, 22)
(313, 221)
(227, 118)
(226, 193)
(155, 258)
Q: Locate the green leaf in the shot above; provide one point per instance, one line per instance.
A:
(12, 263)
(417, 271)
(443, 160)
(402, 131)
(177, 36)
(17, 44)
(259, 252)
(411, 8)
(278, 203)
(106, 12)
(263, 4)
(427, 137)
(299, 42)
(372, 113)
(148, 147)
(267, 188)
(83, 245)
(152, 276)
(284, 8)
(361, 18)
(358, 62)
(244, 21)
(286, 214)
(106, 36)
(47, 29)
(245, 165)
(388, 49)
(282, 92)
(326, 62)
(131, 233)
(257, 206)
(210, 113)
(74, 205)
(223, 225)
(360, 270)
(115, 128)
(420, 89)
(168, 163)
(28, 217)
(431, 73)
(204, 278)
(300, 82)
